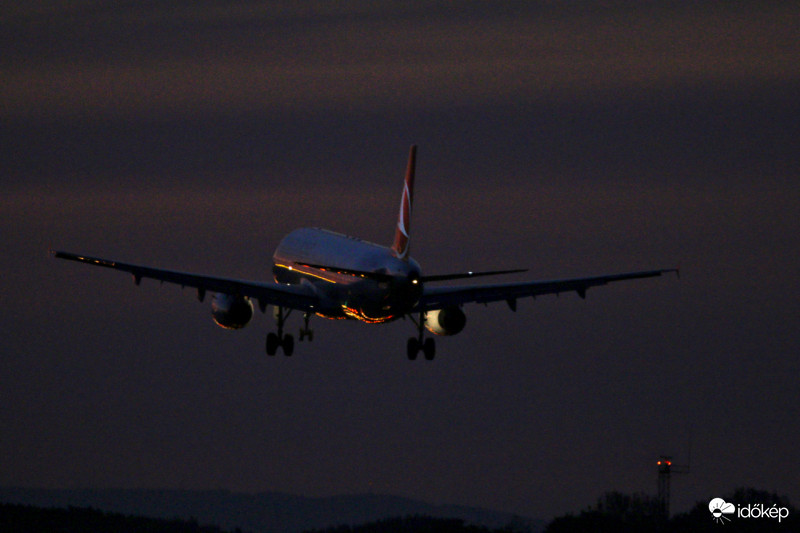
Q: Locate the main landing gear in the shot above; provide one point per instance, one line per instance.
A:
(279, 340)
(415, 344)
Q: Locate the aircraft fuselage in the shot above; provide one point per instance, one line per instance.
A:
(368, 282)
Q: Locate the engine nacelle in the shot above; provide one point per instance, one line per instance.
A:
(231, 312)
(447, 321)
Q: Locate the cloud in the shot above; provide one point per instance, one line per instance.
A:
(246, 57)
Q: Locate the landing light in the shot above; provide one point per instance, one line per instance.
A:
(414, 281)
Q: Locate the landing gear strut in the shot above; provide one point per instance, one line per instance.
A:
(415, 344)
(279, 340)
(305, 331)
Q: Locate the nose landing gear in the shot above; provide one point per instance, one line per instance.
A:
(305, 331)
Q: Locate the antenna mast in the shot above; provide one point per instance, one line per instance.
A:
(665, 470)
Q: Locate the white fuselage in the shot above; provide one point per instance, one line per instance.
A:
(354, 278)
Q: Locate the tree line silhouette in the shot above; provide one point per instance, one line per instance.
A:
(640, 513)
(423, 524)
(614, 512)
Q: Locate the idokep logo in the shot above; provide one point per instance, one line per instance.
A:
(720, 508)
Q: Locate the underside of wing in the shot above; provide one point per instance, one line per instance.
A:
(265, 293)
(441, 297)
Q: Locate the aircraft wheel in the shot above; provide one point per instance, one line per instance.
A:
(412, 348)
(288, 345)
(272, 344)
(429, 349)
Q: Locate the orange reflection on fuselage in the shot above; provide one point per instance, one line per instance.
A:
(358, 314)
(305, 271)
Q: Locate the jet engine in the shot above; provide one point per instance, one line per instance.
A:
(447, 321)
(231, 312)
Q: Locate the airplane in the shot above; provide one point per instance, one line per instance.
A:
(335, 276)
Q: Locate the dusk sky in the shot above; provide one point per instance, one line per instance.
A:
(569, 138)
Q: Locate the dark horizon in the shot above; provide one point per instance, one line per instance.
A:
(571, 140)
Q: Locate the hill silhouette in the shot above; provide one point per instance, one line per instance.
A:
(29, 519)
(264, 512)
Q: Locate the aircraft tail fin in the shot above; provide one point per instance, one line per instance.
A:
(401, 235)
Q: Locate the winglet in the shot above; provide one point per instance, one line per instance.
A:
(401, 235)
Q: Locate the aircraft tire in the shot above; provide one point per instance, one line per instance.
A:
(412, 348)
(429, 349)
(272, 344)
(288, 345)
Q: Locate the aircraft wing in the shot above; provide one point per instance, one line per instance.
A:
(439, 297)
(265, 293)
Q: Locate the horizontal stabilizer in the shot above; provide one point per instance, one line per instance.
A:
(466, 275)
(377, 276)
(380, 276)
